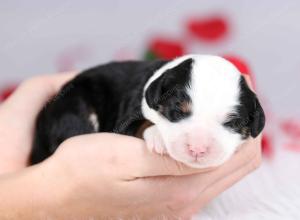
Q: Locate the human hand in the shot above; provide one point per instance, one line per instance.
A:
(109, 175)
(17, 118)
(79, 175)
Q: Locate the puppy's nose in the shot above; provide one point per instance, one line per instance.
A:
(197, 151)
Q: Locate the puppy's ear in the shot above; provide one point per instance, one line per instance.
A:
(248, 117)
(169, 83)
(253, 108)
(258, 119)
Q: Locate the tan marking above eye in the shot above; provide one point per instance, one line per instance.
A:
(186, 107)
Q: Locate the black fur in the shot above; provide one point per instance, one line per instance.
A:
(112, 91)
(168, 92)
(248, 117)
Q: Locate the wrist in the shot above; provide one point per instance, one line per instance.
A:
(37, 192)
(63, 191)
(55, 189)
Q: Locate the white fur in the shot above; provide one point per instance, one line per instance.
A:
(94, 121)
(214, 91)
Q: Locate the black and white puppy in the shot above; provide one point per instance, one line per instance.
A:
(200, 108)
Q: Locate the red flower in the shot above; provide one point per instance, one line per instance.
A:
(166, 49)
(239, 63)
(208, 29)
(267, 148)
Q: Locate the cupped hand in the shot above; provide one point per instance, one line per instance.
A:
(109, 175)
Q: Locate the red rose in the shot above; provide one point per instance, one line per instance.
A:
(267, 148)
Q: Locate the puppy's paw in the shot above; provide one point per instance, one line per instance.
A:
(154, 140)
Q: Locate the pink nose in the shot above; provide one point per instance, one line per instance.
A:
(197, 151)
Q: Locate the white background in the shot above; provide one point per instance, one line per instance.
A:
(34, 34)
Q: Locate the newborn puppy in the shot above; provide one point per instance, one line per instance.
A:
(200, 108)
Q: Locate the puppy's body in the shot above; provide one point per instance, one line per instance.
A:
(106, 98)
(201, 108)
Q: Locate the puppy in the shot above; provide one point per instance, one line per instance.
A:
(199, 108)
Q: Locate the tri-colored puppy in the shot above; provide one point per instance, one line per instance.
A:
(200, 108)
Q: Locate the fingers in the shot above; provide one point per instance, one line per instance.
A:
(35, 92)
(247, 152)
(143, 163)
(136, 161)
(140, 171)
(191, 185)
(191, 193)
(60, 79)
(130, 154)
(55, 81)
(216, 189)
(45, 86)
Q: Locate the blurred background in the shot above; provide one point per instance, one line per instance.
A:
(261, 38)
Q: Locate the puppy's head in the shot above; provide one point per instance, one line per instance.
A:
(203, 108)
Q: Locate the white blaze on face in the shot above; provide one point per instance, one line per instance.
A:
(214, 92)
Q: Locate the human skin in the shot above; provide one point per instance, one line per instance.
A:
(100, 176)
